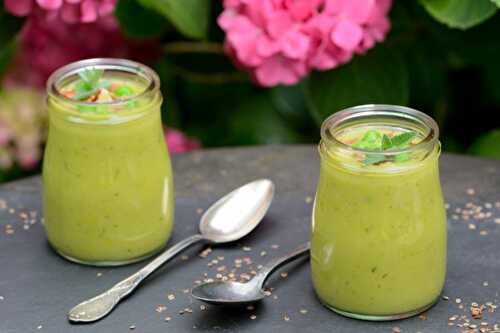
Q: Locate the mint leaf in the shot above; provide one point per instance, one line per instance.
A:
(402, 140)
(89, 84)
(372, 140)
(386, 142)
(91, 76)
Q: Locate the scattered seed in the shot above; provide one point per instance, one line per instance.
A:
(171, 297)
(167, 318)
(253, 317)
(308, 199)
(471, 191)
(203, 307)
(275, 246)
(199, 211)
(263, 253)
(286, 317)
(184, 257)
(39, 327)
(483, 232)
(132, 327)
(247, 248)
(303, 311)
(284, 275)
(205, 252)
(99, 274)
(446, 298)
(396, 329)
(472, 226)
(485, 284)
(458, 301)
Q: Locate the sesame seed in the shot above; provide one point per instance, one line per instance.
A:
(303, 311)
(132, 327)
(396, 329)
(286, 317)
(253, 317)
(471, 191)
(458, 301)
(171, 297)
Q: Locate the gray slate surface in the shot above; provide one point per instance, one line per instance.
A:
(38, 287)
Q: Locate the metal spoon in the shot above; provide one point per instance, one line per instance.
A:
(227, 220)
(237, 293)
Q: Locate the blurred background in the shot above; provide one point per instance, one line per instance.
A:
(246, 72)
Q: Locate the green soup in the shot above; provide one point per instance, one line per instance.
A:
(108, 196)
(378, 247)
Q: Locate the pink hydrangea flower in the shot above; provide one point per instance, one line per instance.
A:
(178, 142)
(281, 41)
(70, 11)
(47, 43)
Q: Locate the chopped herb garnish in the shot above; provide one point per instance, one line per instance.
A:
(123, 91)
(90, 83)
(375, 141)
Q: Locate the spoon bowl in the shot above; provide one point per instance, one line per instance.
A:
(235, 293)
(236, 214)
(241, 293)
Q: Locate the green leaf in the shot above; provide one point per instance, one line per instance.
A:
(403, 139)
(461, 14)
(190, 17)
(386, 142)
(496, 2)
(10, 25)
(371, 140)
(136, 21)
(377, 77)
(487, 145)
(6, 53)
(91, 76)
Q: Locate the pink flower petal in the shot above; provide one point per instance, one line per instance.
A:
(70, 13)
(88, 11)
(295, 45)
(50, 4)
(355, 10)
(347, 35)
(279, 24)
(19, 7)
(267, 47)
(276, 70)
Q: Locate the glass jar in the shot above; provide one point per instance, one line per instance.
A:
(107, 178)
(378, 243)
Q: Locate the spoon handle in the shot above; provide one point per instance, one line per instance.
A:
(276, 263)
(99, 306)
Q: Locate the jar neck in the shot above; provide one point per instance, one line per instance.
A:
(116, 111)
(379, 116)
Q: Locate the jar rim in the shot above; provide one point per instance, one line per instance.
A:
(336, 119)
(123, 65)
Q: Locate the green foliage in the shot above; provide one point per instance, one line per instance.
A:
(460, 14)
(380, 76)
(138, 21)
(487, 145)
(190, 17)
(9, 25)
(6, 53)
